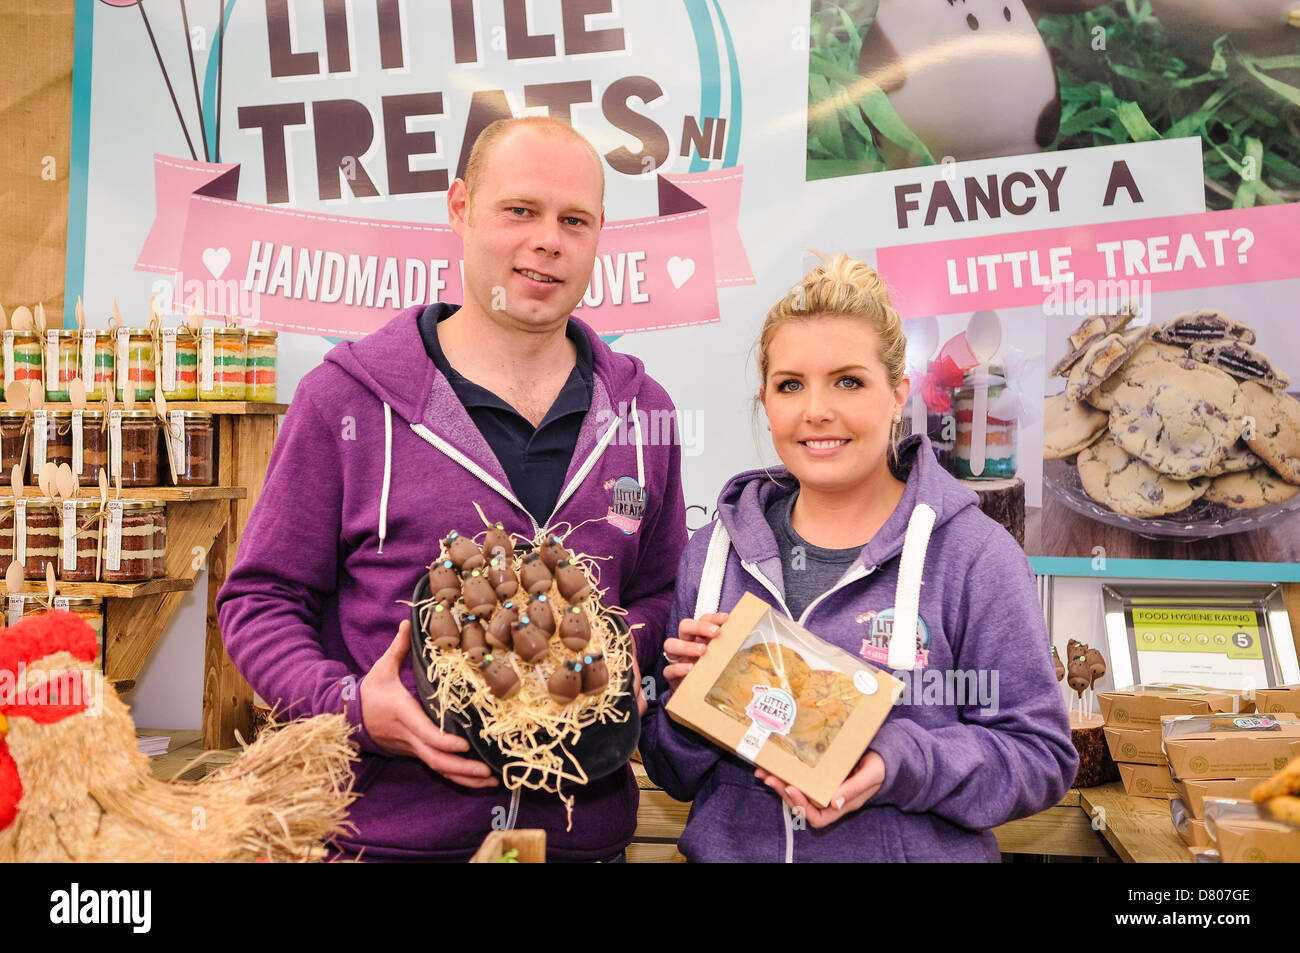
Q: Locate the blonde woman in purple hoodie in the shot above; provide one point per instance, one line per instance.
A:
(980, 736)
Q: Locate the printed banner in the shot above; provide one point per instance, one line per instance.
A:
(650, 273)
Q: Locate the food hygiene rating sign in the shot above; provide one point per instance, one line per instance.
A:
(1188, 645)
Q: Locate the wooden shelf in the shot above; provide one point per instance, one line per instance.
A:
(221, 407)
(111, 590)
(229, 407)
(167, 494)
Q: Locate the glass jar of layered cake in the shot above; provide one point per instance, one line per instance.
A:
(180, 364)
(22, 357)
(79, 526)
(51, 441)
(89, 434)
(133, 447)
(130, 541)
(13, 432)
(62, 362)
(262, 357)
(221, 364)
(193, 438)
(1000, 434)
(135, 363)
(40, 548)
(98, 362)
(6, 534)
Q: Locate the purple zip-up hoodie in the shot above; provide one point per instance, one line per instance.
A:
(954, 766)
(376, 461)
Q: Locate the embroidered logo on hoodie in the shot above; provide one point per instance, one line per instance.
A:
(875, 647)
(626, 505)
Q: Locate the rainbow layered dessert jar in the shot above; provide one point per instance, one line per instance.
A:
(22, 356)
(262, 356)
(999, 437)
(62, 362)
(135, 364)
(222, 365)
(180, 365)
(98, 361)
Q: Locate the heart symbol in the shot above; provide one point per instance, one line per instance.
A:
(216, 260)
(680, 270)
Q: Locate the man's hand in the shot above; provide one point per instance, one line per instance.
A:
(857, 790)
(693, 637)
(399, 725)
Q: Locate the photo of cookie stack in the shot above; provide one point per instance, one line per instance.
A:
(1187, 419)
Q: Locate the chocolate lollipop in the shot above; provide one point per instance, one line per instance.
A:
(500, 677)
(1077, 674)
(565, 684)
(1074, 647)
(502, 577)
(443, 581)
(595, 676)
(1096, 666)
(500, 626)
(572, 582)
(498, 543)
(553, 552)
(1056, 661)
(539, 610)
(575, 629)
(462, 552)
(480, 598)
(533, 574)
(473, 639)
(531, 643)
(442, 628)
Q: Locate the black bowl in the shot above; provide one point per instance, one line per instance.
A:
(603, 748)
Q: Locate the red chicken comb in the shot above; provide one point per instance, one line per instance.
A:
(35, 637)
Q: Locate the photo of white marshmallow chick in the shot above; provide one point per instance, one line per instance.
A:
(1259, 27)
(972, 78)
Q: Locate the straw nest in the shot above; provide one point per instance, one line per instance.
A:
(88, 794)
(535, 734)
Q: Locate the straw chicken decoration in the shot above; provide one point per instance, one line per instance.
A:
(74, 786)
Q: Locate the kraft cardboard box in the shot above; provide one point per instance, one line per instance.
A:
(1146, 780)
(1276, 700)
(783, 699)
(1230, 746)
(1135, 745)
(1194, 793)
(1257, 841)
(1141, 706)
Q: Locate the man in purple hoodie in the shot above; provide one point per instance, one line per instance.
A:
(507, 402)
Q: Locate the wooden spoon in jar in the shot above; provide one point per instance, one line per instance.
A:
(77, 394)
(38, 318)
(45, 479)
(128, 396)
(16, 397)
(160, 408)
(4, 319)
(80, 312)
(115, 320)
(21, 319)
(16, 481)
(49, 581)
(14, 580)
(66, 482)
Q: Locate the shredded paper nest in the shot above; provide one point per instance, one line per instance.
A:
(535, 734)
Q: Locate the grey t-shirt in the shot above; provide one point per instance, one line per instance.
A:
(808, 570)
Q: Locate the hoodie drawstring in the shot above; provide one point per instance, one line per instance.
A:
(512, 816)
(907, 596)
(640, 439)
(388, 474)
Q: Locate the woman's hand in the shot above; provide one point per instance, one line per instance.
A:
(857, 790)
(693, 637)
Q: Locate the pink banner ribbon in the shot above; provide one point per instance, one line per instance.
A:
(338, 276)
(1180, 252)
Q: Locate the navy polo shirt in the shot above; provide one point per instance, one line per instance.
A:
(536, 459)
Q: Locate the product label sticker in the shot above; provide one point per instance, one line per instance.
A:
(115, 443)
(1256, 723)
(865, 682)
(176, 435)
(773, 708)
(63, 602)
(40, 438)
(20, 531)
(51, 360)
(88, 359)
(15, 608)
(78, 442)
(123, 358)
(875, 647)
(207, 360)
(69, 535)
(626, 505)
(113, 547)
(9, 357)
(169, 359)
